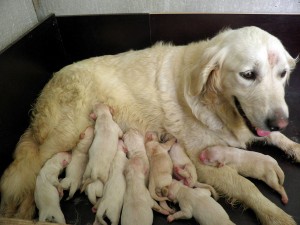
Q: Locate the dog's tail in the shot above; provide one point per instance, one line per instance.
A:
(18, 180)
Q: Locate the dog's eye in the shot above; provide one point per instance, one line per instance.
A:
(249, 75)
(282, 74)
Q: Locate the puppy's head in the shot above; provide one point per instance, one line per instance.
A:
(248, 69)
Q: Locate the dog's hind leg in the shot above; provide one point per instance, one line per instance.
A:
(26, 208)
(18, 180)
(227, 181)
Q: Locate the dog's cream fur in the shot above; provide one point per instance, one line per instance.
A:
(76, 167)
(248, 164)
(111, 203)
(186, 91)
(197, 203)
(48, 191)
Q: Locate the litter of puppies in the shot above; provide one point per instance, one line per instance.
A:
(126, 176)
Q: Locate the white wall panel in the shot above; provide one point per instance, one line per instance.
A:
(16, 17)
(79, 7)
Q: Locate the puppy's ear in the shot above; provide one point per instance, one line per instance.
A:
(205, 76)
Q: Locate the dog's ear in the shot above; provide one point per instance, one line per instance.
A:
(205, 76)
(291, 61)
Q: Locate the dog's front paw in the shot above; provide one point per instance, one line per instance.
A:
(296, 152)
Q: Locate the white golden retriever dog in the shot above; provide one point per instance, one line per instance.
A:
(226, 91)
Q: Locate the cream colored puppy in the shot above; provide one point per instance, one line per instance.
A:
(138, 203)
(185, 171)
(76, 167)
(183, 168)
(161, 166)
(134, 142)
(104, 146)
(48, 191)
(197, 203)
(248, 164)
(112, 201)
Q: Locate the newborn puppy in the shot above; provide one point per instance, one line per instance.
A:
(48, 191)
(111, 203)
(76, 167)
(183, 168)
(104, 146)
(138, 204)
(134, 142)
(161, 166)
(197, 203)
(249, 164)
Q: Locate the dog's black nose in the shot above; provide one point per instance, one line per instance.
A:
(277, 122)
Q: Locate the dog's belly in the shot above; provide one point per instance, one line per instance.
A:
(66, 101)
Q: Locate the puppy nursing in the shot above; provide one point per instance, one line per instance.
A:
(197, 203)
(111, 203)
(101, 152)
(138, 203)
(248, 164)
(183, 168)
(76, 167)
(161, 167)
(48, 190)
(104, 146)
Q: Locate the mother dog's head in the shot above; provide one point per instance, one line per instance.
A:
(248, 69)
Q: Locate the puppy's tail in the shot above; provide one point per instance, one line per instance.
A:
(18, 180)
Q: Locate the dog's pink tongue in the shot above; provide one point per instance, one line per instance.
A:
(262, 133)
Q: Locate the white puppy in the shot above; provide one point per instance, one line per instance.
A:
(111, 203)
(183, 168)
(197, 203)
(160, 165)
(138, 204)
(104, 146)
(185, 171)
(76, 167)
(248, 164)
(48, 190)
(134, 142)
